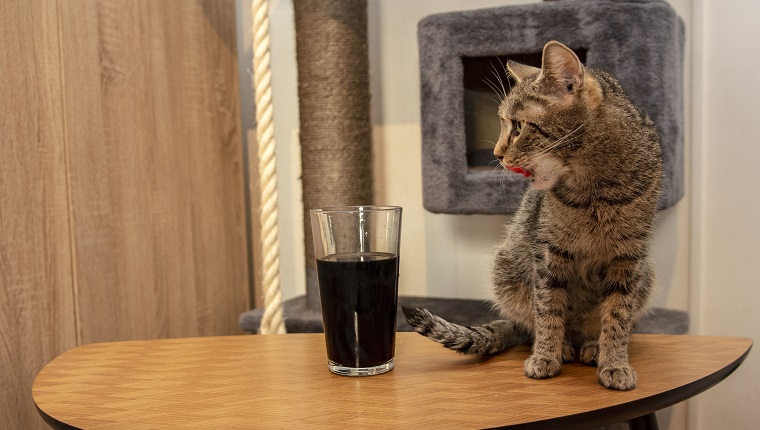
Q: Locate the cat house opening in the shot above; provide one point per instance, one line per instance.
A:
(486, 82)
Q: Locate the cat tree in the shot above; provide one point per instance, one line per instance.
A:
(639, 41)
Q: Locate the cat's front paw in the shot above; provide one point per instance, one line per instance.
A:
(540, 367)
(621, 377)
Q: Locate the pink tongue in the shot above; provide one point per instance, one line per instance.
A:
(520, 171)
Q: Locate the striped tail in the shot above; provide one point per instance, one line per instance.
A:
(487, 339)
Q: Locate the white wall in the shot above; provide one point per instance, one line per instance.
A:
(704, 248)
(725, 229)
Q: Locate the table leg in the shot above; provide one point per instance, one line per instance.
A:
(644, 422)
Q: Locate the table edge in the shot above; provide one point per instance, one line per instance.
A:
(636, 408)
(52, 422)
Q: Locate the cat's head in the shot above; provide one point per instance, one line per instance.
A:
(543, 116)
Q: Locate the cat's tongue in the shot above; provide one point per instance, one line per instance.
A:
(519, 170)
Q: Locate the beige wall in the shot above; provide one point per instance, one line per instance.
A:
(725, 286)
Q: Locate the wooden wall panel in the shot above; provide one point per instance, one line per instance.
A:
(157, 203)
(121, 189)
(36, 302)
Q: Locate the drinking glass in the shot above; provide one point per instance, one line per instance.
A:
(357, 252)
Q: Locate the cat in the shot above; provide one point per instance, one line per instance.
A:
(573, 270)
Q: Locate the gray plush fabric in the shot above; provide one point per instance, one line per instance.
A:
(638, 41)
(299, 318)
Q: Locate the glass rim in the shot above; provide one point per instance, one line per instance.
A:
(356, 208)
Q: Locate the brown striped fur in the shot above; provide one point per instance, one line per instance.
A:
(573, 271)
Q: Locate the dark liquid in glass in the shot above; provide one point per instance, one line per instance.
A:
(359, 300)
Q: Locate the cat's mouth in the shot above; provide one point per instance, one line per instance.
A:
(520, 171)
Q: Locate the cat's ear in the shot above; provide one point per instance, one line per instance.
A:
(562, 69)
(521, 71)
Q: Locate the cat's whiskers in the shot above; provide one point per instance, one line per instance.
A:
(501, 181)
(496, 167)
(495, 88)
(499, 167)
(501, 83)
(500, 90)
(509, 82)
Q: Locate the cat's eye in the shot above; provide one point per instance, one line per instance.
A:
(517, 127)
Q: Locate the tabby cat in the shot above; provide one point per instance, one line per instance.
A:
(573, 271)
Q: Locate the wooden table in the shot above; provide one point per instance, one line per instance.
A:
(282, 381)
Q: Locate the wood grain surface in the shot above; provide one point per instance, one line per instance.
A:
(122, 205)
(282, 381)
(36, 304)
(155, 167)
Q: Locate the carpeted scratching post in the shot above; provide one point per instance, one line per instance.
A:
(334, 102)
(336, 134)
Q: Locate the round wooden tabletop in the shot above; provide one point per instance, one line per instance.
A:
(282, 381)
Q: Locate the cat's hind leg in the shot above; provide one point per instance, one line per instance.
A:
(568, 352)
(590, 352)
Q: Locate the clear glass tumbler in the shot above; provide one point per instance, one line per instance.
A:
(357, 252)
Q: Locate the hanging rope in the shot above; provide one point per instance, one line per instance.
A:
(272, 320)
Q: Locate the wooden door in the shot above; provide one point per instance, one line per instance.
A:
(121, 188)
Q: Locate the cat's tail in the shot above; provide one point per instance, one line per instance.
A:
(487, 339)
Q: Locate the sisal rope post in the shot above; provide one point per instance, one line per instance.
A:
(272, 320)
(334, 106)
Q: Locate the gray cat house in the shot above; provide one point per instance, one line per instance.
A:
(462, 57)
